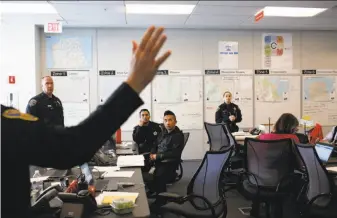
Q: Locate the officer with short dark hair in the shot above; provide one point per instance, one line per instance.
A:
(228, 113)
(47, 106)
(146, 132)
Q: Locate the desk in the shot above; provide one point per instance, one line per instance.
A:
(240, 139)
(142, 209)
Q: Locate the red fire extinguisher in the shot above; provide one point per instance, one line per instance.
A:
(119, 136)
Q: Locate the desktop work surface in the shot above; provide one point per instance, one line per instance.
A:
(142, 208)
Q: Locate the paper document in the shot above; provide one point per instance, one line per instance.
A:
(105, 170)
(107, 197)
(119, 174)
(334, 169)
(39, 179)
(130, 161)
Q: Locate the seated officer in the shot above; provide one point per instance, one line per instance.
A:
(145, 135)
(146, 132)
(169, 145)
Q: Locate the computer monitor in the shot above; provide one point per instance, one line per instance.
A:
(87, 173)
(324, 151)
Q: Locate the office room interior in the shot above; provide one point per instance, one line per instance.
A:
(274, 57)
(195, 37)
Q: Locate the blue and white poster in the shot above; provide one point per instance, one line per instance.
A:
(228, 55)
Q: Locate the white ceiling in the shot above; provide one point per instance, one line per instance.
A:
(207, 14)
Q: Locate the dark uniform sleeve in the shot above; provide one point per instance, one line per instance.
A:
(64, 148)
(62, 113)
(238, 115)
(218, 115)
(177, 148)
(138, 135)
(32, 107)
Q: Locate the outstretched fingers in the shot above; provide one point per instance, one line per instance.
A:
(161, 59)
(146, 38)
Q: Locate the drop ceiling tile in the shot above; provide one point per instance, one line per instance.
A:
(163, 2)
(216, 20)
(136, 19)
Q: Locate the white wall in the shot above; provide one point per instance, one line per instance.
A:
(19, 57)
(197, 49)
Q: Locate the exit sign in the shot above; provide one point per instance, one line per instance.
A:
(53, 27)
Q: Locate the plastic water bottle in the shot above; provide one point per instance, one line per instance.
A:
(37, 185)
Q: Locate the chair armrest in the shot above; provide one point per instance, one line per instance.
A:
(172, 197)
(318, 196)
(250, 174)
(209, 204)
(284, 179)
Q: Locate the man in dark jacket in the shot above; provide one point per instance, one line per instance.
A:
(169, 145)
(146, 132)
(145, 135)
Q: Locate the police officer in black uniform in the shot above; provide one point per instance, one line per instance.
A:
(46, 106)
(228, 113)
(145, 135)
(24, 136)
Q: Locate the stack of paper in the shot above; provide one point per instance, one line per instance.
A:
(333, 169)
(107, 197)
(130, 161)
(39, 179)
(119, 174)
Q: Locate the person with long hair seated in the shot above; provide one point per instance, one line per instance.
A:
(285, 127)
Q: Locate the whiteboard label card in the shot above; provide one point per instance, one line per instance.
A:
(107, 73)
(212, 72)
(58, 73)
(162, 72)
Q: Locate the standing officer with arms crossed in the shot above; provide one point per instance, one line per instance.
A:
(24, 136)
(46, 106)
(229, 113)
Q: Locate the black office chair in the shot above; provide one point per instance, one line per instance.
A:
(303, 138)
(318, 198)
(180, 170)
(269, 167)
(205, 195)
(217, 137)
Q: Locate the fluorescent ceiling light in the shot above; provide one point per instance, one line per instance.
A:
(291, 11)
(27, 8)
(158, 9)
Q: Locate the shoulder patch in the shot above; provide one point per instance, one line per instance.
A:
(32, 102)
(15, 114)
(218, 108)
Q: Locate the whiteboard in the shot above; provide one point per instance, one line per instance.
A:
(71, 86)
(275, 95)
(74, 113)
(241, 88)
(107, 84)
(183, 95)
(320, 99)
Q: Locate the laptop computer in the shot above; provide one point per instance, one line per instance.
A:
(100, 184)
(324, 152)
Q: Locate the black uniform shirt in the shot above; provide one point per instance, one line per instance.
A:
(24, 139)
(48, 109)
(223, 113)
(145, 136)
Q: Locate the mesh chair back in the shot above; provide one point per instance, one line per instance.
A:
(231, 138)
(268, 160)
(217, 136)
(186, 136)
(206, 181)
(318, 180)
